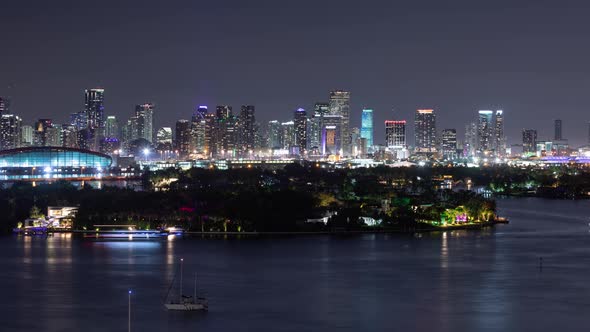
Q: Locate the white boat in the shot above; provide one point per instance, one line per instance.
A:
(187, 303)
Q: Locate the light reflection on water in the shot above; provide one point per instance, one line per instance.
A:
(487, 280)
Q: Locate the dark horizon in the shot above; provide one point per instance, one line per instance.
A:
(528, 59)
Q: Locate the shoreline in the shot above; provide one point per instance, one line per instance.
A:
(419, 228)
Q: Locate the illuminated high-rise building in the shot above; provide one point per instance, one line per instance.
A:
(367, 126)
(274, 133)
(9, 131)
(95, 118)
(529, 141)
(111, 127)
(484, 131)
(94, 102)
(470, 146)
(558, 134)
(340, 105)
(183, 137)
(499, 138)
(144, 115)
(449, 144)
(40, 133)
(164, 139)
(425, 130)
(26, 136)
(247, 129)
(314, 126)
(288, 135)
(199, 129)
(4, 105)
(395, 134)
(300, 123)
(69, 136)
(331, 143)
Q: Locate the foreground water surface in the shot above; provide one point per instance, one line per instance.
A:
(488, 280)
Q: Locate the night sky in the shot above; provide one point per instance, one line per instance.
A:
(530, 58)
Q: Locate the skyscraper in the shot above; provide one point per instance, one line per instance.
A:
(4, 105)
(79, 120)
(367, 126)
(199, 129)
(164, 139)
(95, 121)
(144, 115)
(499, 139)
(331, 143)
(557, 136)
(247, 129)
(484, 131)
(26, 136)
(94, 102)
(183, 135)
(111, 127)
(340, 105)
(9, 131)
(470, 146)
(300, 123)
(41, 132)
(274, 134)
(395, 134)
(69, 136)
(425, 130)
(449, 144)
(288, 135)
(529, 141)
(314, 127)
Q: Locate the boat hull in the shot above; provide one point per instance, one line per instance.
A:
(186, 306)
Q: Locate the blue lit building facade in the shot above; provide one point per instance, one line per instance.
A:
(51, 157)
(367, 126)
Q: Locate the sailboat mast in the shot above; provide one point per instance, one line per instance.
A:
(181, 261)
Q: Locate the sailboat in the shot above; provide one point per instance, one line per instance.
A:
(187, 303)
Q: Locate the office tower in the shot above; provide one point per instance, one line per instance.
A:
(425, 130)
(529, 141)
(145, 121)
(331, 142)
(558, 136)
(199, 129)
(111, 127)
(449, 144)
(164, 139)
(26, 136)
(53, 135)
(588, 132)
(9, 131)
(94, 102)
(395, 134)
(499, 138)
(210, 125)
(340, 105)
(300, 123)
(79, 120)
(367, 126)
(4, 105)
(314, 126)
(274, 133)
(40, 132)
(287, 135)
(470, 146)
(223, 136)
(247, 129)
(183, 137)
(355, 137)
(69, 136)
(95, 120)
(484, 131)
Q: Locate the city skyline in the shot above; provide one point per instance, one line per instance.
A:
(481, 66)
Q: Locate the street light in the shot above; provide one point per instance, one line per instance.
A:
(146, 153)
